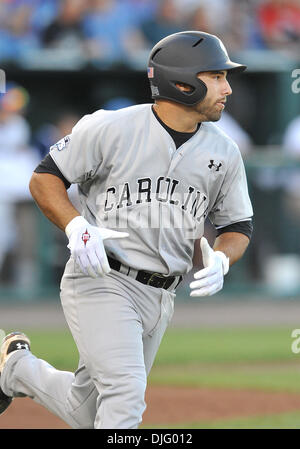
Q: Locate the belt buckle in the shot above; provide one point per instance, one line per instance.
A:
(157, 275)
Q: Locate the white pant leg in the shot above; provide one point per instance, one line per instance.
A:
(118, 327)
(152, 341)
(108, 332)
(63, 393)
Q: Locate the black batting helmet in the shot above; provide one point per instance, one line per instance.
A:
(178, 58)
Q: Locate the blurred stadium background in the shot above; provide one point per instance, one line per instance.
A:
(61, 59)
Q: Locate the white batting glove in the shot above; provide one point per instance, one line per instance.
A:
(211, 278)
(86, 246)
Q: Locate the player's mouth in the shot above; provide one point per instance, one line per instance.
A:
(221, 103)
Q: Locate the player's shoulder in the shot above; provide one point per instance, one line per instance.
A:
(221, 144)
(104, 117)
(220, 136)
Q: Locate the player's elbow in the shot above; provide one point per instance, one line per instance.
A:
(45, 185)
(33, 184)
(36, 185)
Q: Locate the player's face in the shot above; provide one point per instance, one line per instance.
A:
(218, 89)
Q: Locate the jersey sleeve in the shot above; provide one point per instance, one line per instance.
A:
(47, 165)
(233, 203)
(78, 155)
(243, 227)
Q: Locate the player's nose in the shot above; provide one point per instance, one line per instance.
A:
(227, 88)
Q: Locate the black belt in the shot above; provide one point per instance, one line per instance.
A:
(145, 277)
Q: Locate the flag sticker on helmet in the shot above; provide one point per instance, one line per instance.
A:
(150, 72)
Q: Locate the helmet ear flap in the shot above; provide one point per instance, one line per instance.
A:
(186, 97)
(203, 89)
(191, 89)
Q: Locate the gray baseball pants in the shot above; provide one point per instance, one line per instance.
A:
(117, 324)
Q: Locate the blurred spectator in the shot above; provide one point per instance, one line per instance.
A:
(291, 181)
(291, 147)
(239, 31)
(280, 25)
(143, 9)
(65, 31)
(49, 133)
(44, 12)
(291, 137)
(15, 131)
(17, 160)
(232, 21)
(214, 15)
(112, 31)
(118, 103)
(17, 35)
(199, 20)
(167, 20)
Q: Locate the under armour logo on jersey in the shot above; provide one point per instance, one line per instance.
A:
(212, 164)
(22, 346)
(85, 237)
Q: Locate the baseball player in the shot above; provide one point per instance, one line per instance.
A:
(148, 176)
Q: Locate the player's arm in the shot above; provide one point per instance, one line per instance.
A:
(233, 239)
(230, 245)
(50, 194)
(48, 186)
(232, 211)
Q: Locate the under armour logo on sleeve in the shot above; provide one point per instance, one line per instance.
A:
(216, 166)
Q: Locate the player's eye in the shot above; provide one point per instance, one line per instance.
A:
(218, 76)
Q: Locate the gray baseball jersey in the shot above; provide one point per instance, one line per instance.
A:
(131, 177)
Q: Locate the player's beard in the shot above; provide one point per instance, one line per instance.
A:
(209, 111)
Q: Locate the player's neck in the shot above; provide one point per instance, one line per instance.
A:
(176, 116)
